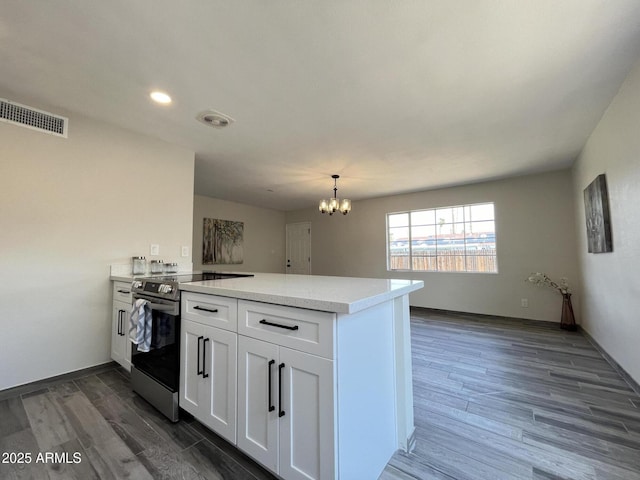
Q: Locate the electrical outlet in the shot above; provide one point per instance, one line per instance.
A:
(185, 251)
(524, 302)
(154, 249)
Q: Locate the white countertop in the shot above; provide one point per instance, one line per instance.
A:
(315, 292)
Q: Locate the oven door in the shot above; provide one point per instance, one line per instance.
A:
(162, 361)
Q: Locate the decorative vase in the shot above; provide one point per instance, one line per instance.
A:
(568, 320)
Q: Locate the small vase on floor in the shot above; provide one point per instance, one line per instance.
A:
(568, 320)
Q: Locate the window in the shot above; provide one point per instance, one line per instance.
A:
(448, 239)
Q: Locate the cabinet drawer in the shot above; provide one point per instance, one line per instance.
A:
(309, 331)
(221, 312)
(122, 292)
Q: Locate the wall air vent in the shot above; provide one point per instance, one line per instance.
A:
(24, 116)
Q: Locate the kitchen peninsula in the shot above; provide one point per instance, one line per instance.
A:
(323, 370)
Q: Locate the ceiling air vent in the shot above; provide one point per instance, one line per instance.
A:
(214, 119)
(33, 118)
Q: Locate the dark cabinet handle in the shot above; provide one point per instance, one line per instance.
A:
(124, 318)
(198, 307)
(288, 327)
(204, 358)
(121, 314)
(124, 291)
(281, 412)
(198, 366)
(271, 406)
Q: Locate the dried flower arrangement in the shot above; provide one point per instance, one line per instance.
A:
(542, 280)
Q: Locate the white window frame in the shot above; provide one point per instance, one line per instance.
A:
(410, 240)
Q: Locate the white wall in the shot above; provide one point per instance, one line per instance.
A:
(611, 285)
(534, 223)
(68, 211)
(264, 234)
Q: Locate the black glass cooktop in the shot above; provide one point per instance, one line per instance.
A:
(199, 277)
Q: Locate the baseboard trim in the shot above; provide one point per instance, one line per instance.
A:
(31, 387)
(615, 365)
(486, 316)
(411, 441)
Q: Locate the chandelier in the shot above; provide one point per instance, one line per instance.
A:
(334, 204)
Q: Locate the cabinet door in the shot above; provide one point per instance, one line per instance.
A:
(258, 400)
(126, 361)
(307, 421)
(192, 389)
(125, 338)
(119, 324)
(220, 360)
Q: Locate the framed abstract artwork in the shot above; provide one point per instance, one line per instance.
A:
(222, 242)
(596, 209)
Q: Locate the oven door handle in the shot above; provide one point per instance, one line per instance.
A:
(170, 307)
(160, 307)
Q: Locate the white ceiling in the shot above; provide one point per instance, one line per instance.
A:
(395, 96)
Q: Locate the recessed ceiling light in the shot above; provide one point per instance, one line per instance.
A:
(160, 97)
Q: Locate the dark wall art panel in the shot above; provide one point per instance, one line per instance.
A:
(222, 242)
(596, 206)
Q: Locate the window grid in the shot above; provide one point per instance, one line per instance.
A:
(468, 258)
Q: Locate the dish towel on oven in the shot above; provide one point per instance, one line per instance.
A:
(141, 321)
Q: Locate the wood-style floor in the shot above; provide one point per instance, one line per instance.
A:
(117, 434)
(511, 399)
(494, 399)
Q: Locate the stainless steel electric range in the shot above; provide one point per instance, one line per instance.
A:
(155, 374)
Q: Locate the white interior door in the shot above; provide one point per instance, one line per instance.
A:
(299, 248)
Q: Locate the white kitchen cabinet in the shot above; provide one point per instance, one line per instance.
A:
(286, 409)
(121, 310)
(286, 396)
(340, 378)
(306, 448)
(213, 310)
(257, 398)
(209, 362)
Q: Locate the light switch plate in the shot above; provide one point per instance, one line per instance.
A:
(155, 249)
(185, 251)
